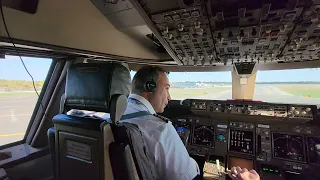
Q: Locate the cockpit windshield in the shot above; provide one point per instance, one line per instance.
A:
(300, 86)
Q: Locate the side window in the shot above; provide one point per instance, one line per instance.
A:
(17, 95)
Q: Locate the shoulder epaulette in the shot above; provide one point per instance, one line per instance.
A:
(162, 118)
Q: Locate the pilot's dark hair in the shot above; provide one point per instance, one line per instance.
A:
(143, 75)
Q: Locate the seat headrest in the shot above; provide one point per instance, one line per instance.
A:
(91, 86)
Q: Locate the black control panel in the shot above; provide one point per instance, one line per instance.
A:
(276, 147)
(241, 141)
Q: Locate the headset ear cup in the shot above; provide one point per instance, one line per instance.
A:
(150, 86)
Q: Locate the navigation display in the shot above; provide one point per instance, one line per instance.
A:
(288, 147)
(314, 150)
(204, 135)
(241, 141)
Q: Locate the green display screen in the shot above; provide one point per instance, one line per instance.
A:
(270, 168)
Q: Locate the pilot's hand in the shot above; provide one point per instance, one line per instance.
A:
(243, 174)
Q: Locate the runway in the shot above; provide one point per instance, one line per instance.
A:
(266, 93)
(15, 112)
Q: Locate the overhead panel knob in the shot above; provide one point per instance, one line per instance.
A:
(199, 31)
(197, 24)
(180, 27)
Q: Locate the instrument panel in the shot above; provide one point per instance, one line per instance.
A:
(275, 145)
(254, 108)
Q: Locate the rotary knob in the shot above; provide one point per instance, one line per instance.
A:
(180, 27)
(197, 24)
(296, 112)
(303, 113)
(199, 31)
(292, 108)
(308, 109)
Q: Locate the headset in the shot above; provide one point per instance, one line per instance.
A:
(150, 85)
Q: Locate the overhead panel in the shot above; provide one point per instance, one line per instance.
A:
(218, 33)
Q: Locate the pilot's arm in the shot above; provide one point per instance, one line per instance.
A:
(172, 158)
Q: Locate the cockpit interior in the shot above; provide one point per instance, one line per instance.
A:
(280, 140)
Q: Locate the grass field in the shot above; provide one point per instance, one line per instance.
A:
(305, 90)
(184, 93)
(18, 94)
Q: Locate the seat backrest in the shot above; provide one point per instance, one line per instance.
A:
(82, 144)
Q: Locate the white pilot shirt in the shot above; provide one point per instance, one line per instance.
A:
(166, 149)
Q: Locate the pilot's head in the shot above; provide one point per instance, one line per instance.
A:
(152, 83)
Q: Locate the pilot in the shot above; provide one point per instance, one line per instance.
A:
(243, 174)
(150, 95)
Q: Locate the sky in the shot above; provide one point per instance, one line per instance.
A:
(11, 68)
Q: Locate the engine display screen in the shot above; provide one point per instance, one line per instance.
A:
(314, 150)
(204, 135)
(241, 141)
(287, 146)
